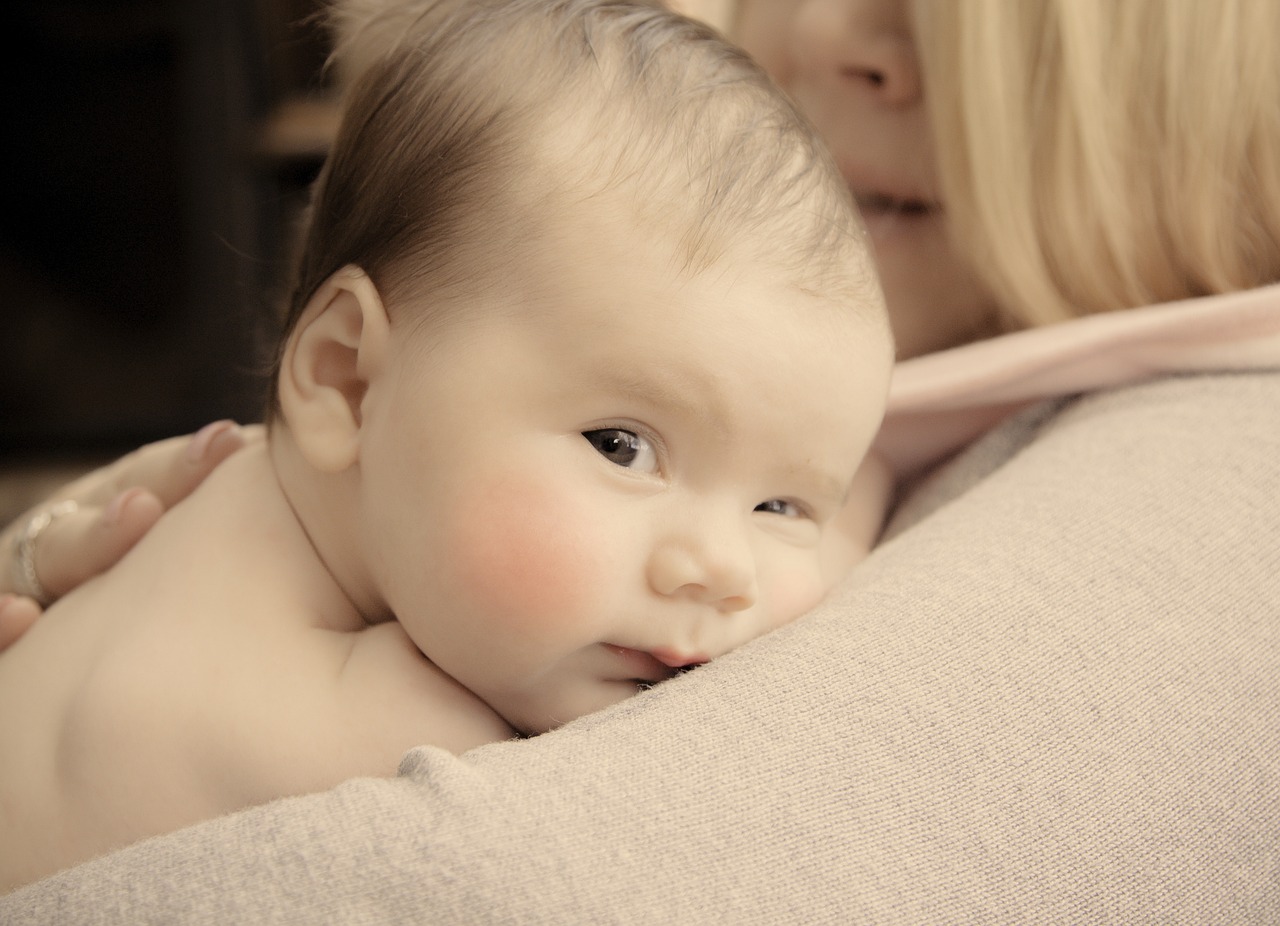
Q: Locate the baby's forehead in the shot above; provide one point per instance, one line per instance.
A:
(597, 263)
(724, 167)
(699, 232)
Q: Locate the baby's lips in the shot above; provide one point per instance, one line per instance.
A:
(677, 660)
(644, 665)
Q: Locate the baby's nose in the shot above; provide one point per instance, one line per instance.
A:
(713, 568)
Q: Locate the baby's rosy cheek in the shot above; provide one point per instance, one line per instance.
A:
(528, 555)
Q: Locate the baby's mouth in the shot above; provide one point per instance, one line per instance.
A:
(658, 665)
(647, 669)
(678, 660)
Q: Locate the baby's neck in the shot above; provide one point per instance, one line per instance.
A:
(324, 509)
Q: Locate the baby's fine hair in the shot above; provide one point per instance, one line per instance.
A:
(465, 121)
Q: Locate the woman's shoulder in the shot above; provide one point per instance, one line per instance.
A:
(1125, 443)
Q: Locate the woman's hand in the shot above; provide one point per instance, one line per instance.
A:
(114, 506)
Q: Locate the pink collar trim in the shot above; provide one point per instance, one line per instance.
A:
(940, 402)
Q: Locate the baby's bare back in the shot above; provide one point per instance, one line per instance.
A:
(212, 670)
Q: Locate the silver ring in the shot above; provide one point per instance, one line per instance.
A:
(25, 580)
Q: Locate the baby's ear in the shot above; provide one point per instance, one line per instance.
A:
(338, 345)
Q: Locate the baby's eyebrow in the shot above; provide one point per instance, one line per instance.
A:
(824, 484)
(694, 395)
(837, 489)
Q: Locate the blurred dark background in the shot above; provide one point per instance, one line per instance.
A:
(157, 154)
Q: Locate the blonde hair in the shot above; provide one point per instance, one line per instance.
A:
(1102, 154)
(456, 105)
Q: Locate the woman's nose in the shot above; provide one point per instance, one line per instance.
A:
(712, 567)
(865, 44)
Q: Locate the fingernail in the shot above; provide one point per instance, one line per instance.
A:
(111, 514)
(199, 445)
(233, 435)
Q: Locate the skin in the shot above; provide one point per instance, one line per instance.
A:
(851, 66)
(550, 573)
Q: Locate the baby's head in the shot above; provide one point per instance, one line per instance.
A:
(585, 349)
(471, 124)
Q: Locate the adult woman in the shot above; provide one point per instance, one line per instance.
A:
(1016, 709)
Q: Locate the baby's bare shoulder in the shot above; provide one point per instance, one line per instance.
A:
(247, 718)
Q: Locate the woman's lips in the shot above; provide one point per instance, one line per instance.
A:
(878, 204)
(888, 219)
(886, 199)
(879, 188)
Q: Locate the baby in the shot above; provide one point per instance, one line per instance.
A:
(584, 355)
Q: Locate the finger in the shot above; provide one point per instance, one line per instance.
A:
(165, 471)
(169, 469)
(75, 548)
(17, 614)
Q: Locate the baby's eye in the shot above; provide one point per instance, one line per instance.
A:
(624, 448)
(781, 506)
